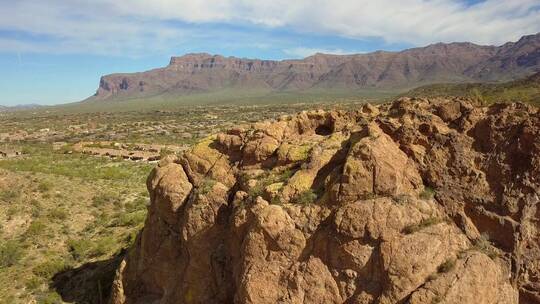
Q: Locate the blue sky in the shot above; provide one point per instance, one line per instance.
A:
(55, 51)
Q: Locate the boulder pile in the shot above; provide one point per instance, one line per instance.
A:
(416, 201)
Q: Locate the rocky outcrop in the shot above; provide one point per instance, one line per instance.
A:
(418, 201)
(134, 152)
(436, 63)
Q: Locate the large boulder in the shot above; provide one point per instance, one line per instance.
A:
(417, 201)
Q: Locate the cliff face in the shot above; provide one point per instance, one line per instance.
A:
(454, 62)
(417, 201)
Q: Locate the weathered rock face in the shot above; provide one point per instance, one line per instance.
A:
(415, 202)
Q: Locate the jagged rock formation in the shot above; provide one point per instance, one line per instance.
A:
(436, 63)
(418, 201)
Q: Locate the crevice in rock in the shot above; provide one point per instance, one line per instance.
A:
(336, 163)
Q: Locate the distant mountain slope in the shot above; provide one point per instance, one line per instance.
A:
(526, 90)
(20, 107)
(453, 62)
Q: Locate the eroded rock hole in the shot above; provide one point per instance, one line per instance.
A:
(323, 130)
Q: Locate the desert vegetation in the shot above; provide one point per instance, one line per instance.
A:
(63, 211)
(59, 212)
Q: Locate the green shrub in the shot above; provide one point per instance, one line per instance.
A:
(9, 195)
(49, 268)
(35, 208)
(164, 152)
(131, 219)
(33, 283)
(79, 249)
(306, 197)
(102, 219)
(43, 160)
(402, 198)
(131, 237)
(256, 191)
(36, 228)
(6, 298)
(427, 194)
(423, 224)
(45, 186)
(478, 96)
(26, 150)
(483, 244)
(267, 179)
(11, 253)
(207, 186)
(105, 198)
(49, 298)
(104, 246)
(13, 210)
(275, 200)
(59, 213)
(138, 204)
(284, 176)
(446, 266)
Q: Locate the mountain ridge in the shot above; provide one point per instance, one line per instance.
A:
(440, 62)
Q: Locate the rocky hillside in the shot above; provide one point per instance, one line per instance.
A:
(417, 201)
(454, 62)
(523, 90)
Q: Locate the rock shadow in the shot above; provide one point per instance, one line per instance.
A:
(88, 284)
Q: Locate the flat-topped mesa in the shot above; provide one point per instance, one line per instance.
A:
(207, 61)
(191, 57)
(408, 202)
(437, 63)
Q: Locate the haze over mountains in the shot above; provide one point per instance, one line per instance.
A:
(381, 70)
(20, 107)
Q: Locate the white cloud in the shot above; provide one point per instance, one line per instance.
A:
(138, 26)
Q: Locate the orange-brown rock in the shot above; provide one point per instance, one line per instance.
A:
(418, 201)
